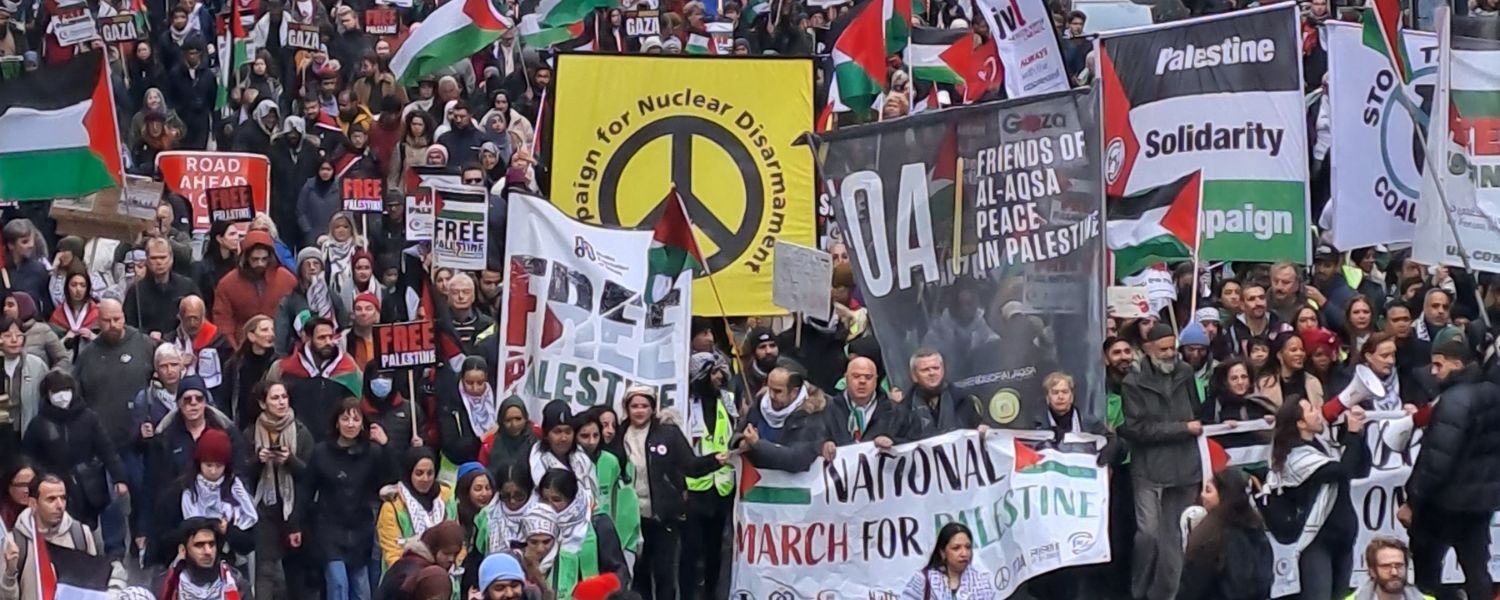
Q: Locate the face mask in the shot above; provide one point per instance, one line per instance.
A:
(381, 387)
(62, 399)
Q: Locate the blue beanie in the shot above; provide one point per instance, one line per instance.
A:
(499, 567)
(192, 383)
(1193, 335)
(469, 467)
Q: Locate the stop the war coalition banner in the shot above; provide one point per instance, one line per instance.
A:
(1222, 94)
(976, 232)
(1376, 150)
(863, 524)
(574, 324)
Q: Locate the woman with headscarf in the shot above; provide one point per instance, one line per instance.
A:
(514, 499)
(143, 70)
(466, 402)
(281, 446)
(319, 199)
(438, 547)
(76, 317)
(41, 340)
(519, 126)
(154, 102)
(338, 249)
(1323, 358)
(559, 448)
(587, 542)
(513, 438)
(411, 506)
(416, 136)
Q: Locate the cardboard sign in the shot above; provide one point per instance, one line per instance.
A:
(1126, 302)
(303, 36)
(801, 279)
(421, 215)
(119, 28)
(76, 29)
(362, 194)
(230, 204)
(404, 345)
(193, 172)
(381, 20)
(641, 23)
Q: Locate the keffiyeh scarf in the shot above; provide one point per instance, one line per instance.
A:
(932, 584)
(206, 499)
(777, 418)
(506, 524)
(579, 464)
(319, 299)
(482, 410)
(422, 519)
(276, 485)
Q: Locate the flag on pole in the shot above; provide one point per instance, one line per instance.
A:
(1155, 225)
(233, 53)
(453, 32)
(941, 55)
(61, 138)
(858, 58)
(673, 250)
(1383, 34)
(897, 24)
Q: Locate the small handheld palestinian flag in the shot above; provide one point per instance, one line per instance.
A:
(673, 250)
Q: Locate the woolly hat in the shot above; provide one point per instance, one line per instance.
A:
(703, 364)
(556, 413)
(499, 567)
(448, 534)
(638, 390)
(758, 336)
(1316, 339)
(431, 581)
(1205, 315)
(367, 297)
(73, 245)
(214, 447)
(25, 305)
(192, 383)
(540, 519)
(308, 253)
(597, 587)
(1158, 331)
(1192, 335)
(469, 467)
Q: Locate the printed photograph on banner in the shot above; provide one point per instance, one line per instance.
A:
(577, 327)
(1376, 149)
(722, 130)
(853, 528)
(192, 173)
(1235, 116)
(978, 234)
(421, 214)
(405, 345)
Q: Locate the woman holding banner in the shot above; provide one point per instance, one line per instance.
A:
(1309, 501)
(950, 573)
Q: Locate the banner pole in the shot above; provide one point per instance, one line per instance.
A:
(734, 345)
(958, 214)
(411, 390)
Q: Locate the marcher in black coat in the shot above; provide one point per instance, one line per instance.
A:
(1455, 485)
(1228, 556)
(440, 545)
(192, 88)
(784, 427)
(175, 442)
(385, 404)
(881, 420)
(934, 408)
(294, 161)
(343, 482)
(151, 304)
(255, 137)
(66, 438)
(468, 410)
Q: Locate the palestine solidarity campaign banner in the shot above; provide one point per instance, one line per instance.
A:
(861, 525)
(1223, 95)
(976, 232)
(1377, 150)
(574, 324)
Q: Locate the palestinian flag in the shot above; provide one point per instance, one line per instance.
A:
(1382, 33)
(60, 135)
(234, 52)
(534, 35)
(453, 32)
(67, 574)
(1156, 225)
(1250, 450)
(754, 492)
(559, 13)
(858, 58)
(700, 44)
(897, 24)
(673, 250)
(941, 55)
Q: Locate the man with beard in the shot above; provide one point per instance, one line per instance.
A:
(111, 369)
(759, 353)
(1437, 305)
(1119, 361)
(1328, 278)
(1413, 355)
(934, 410)
(294, 160)
(1454, 486)
(1287, 292)
(1386, 559)
(1193, 345)
(46, 514)
(200, 573)
(204, 349)
(150, 303)
(490, 280)
(463, 139)
(1160, 402)
(710, 497)
(256, 138)
(467, 322)
(255, 288)
(318, 374)
(1255, 321)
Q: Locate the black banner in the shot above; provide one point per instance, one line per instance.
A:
(1013, 187)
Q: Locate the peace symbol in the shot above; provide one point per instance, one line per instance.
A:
(732, 242)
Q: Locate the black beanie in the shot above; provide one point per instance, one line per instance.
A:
(555, 414)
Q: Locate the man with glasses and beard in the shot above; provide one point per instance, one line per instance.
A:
(318, 374)
(1387, 558)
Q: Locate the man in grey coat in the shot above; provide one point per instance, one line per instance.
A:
(1160, 402)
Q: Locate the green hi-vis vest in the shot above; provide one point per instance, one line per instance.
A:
(715, 442)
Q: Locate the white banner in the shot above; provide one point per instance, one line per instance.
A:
(863, 525)
(1376, 499)
(575, 327)
(1027, 46)
(1469, 157)
(1376, 170)
(460, 239)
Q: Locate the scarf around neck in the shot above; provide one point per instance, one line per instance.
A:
(276, 485)
(222, 587)
(777, 418)
(206, 499)
(579, 464)
(319, 299)
(505, 524)
(933, 585)
(435, 510)
(482, 410)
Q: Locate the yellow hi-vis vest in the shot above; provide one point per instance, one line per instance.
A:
(715, 442)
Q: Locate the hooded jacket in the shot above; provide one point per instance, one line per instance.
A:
(291, 167)
(240, 296)
(253, 137)
(1458, 469)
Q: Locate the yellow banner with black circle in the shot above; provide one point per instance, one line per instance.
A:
(627, 128)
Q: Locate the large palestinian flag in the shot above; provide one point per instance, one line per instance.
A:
(453, 32)
(1221, 95)
(1157, 225)
(858, 58)
(941, 55)
(59, 137)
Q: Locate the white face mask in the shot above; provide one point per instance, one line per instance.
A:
(62, 399)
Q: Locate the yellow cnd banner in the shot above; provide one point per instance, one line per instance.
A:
(629, 127)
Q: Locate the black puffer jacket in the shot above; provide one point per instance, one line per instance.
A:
(797, 443)
(72, 444)
(1459, 467)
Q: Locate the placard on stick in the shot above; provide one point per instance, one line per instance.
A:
(421, 212)
(381, 20)
(801, 279)
(302, 36)
(1126, 302)
(119, 28)
(230, 204)
(642, 23)
(362, 194)
(405, 345)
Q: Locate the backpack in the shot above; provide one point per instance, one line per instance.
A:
(75, 531)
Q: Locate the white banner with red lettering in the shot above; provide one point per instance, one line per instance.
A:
(863, 525)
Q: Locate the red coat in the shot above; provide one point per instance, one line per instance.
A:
(238, 298)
